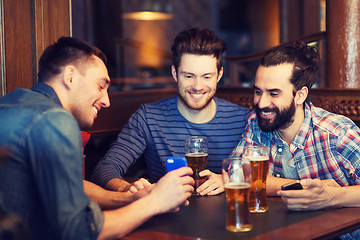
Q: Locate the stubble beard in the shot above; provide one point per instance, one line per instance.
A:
(199, 108)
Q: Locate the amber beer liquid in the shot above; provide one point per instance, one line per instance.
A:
(237, 217)
(258, 200)
(197, 162)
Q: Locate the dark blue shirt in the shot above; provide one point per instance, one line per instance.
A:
(158, 130)
(41, 181)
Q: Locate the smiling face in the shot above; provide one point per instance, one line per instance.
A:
(90, 93)
(273, 97)
(197, 78)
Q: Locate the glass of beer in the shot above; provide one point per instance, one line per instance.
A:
(236, 175)
(196, 153)
(259, 160)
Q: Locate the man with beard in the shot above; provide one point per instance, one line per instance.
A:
(158, 130)
(319, 148)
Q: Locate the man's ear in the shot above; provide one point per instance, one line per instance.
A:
(173, 72)
(301, 95)
(68, 76)
(221, 72)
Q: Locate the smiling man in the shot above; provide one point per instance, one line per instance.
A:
(307, 143)
(158, 130)
(41, 175)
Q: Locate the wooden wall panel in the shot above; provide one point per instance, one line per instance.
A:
(52, 20)
(18, 44)
(27, 27)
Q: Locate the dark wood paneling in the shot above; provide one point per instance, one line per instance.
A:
(123, 104)
(28, 27)
(18, 44)
(52, 20)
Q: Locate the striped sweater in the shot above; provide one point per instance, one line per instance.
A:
(158, 130)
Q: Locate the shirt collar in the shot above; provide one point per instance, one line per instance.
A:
(305, 129)
(47, 91)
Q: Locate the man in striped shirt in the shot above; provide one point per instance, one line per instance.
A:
(158, 130)
(307, 143)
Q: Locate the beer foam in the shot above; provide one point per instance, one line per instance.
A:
(256, 158)
(196, 154)
(235, 185)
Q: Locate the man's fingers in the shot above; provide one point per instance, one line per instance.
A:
(205, 173)
(181, 171)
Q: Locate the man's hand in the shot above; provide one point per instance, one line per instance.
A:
(317, 194)
(213, 185)
(139, 185)
(173, 189)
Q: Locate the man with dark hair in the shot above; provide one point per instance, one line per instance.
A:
(307, 143)
(41, 177)
(158, 130)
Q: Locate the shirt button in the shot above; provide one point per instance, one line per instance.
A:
(277, 175)
(280, 150)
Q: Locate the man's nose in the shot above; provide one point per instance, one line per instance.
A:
(263, 101)
(105, 101)
(197, 84)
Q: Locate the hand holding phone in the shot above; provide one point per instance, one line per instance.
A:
(292, 186)
(173, 163)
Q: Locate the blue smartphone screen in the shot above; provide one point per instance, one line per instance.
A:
(173, 163)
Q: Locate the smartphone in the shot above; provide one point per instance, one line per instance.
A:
(173, 163)
(292, 186)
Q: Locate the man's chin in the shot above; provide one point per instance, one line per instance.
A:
(86, 125)
(266, 126)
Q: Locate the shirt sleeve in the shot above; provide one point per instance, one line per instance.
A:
(55, 153)
(247, 136)
(128, 147)
(349, 150)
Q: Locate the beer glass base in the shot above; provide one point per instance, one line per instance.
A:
(262, 210)
(243, 228)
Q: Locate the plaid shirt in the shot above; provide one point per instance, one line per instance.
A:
(327, 146)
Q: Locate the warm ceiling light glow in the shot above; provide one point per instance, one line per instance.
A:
(147, 16)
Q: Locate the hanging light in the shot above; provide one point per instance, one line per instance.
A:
(147, 10)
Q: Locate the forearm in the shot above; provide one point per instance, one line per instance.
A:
(273, 184)
(107, 199)
(120, 222)
(118, 184)
(348, 196)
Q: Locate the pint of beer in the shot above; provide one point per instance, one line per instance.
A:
(259, 160)
(196, 153)
(237, 182)
(197, 162)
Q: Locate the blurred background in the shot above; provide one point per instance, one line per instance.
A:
(136, 35)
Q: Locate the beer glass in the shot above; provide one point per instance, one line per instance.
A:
(259, 160)
(236, 175)
(196, 153)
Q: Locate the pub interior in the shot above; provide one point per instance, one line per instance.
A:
(139, 57)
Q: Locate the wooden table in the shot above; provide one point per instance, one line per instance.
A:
(206, 216)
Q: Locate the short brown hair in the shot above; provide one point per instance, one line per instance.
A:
(198, 42)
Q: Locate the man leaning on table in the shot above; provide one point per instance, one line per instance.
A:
(158, 130)
(306, 142)
(41, 177)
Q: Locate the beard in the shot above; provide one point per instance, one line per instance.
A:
(282, 120)
(195, 106)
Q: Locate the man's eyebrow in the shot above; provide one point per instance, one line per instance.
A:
(268, 90)
(209, 73)
(184, 72)
(106, 81)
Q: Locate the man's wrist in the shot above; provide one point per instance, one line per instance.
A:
(117, 184)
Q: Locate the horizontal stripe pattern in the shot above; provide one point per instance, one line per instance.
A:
(158, 130)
